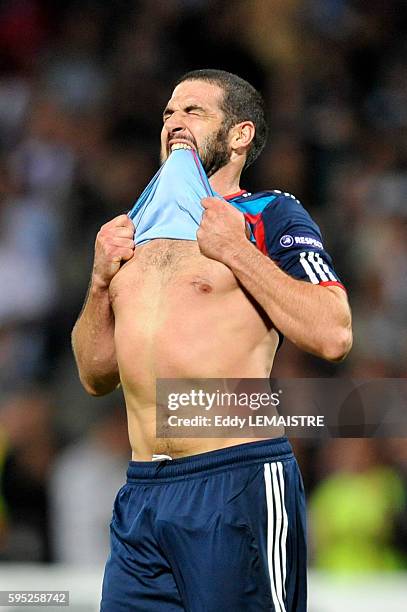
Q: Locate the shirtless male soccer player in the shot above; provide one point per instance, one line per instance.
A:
(220, 525)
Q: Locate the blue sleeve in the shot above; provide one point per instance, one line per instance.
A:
(293, 240)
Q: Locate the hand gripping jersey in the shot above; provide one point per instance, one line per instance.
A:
(170, 207)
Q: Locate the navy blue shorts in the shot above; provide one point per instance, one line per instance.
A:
(219, 531)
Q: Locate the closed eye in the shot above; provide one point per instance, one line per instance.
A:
(167, 114)
(194, 109)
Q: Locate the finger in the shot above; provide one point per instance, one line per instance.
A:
(127, 254)
(210, 202)
(120, 232)
(108, 236)
(205, 219)
(126, 243)
(120, 221)
(123, 221)
(122, 255)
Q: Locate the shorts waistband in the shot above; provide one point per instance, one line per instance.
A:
(276, 449)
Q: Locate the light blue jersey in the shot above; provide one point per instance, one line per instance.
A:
(170, 205)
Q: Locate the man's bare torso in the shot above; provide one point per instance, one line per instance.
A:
(179, 314)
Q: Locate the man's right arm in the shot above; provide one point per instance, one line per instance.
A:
(93, 334)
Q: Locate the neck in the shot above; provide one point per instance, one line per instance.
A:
(226, 180)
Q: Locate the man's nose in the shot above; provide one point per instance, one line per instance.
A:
(175, 124)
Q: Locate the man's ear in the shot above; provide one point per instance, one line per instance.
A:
(241, 135)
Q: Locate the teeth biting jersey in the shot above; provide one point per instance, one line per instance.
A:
(180, 145)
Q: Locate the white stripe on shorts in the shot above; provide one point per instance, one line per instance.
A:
(277, 526)
(160, 457)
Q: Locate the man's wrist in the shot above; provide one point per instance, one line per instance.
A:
(239, 253)
(99, 285)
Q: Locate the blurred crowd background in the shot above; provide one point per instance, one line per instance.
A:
(82, 89)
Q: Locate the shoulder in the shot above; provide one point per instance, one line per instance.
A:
(275, 208)
(286, 223)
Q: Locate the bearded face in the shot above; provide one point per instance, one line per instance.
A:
(213, 151)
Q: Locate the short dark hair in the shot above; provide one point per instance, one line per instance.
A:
(241, 102)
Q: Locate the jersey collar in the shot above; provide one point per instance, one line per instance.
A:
(235, 195)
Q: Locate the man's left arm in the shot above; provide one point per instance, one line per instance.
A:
(315, 318)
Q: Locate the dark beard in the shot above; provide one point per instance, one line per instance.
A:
(215, 152)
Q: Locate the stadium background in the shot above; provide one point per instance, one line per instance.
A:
(82, 88)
